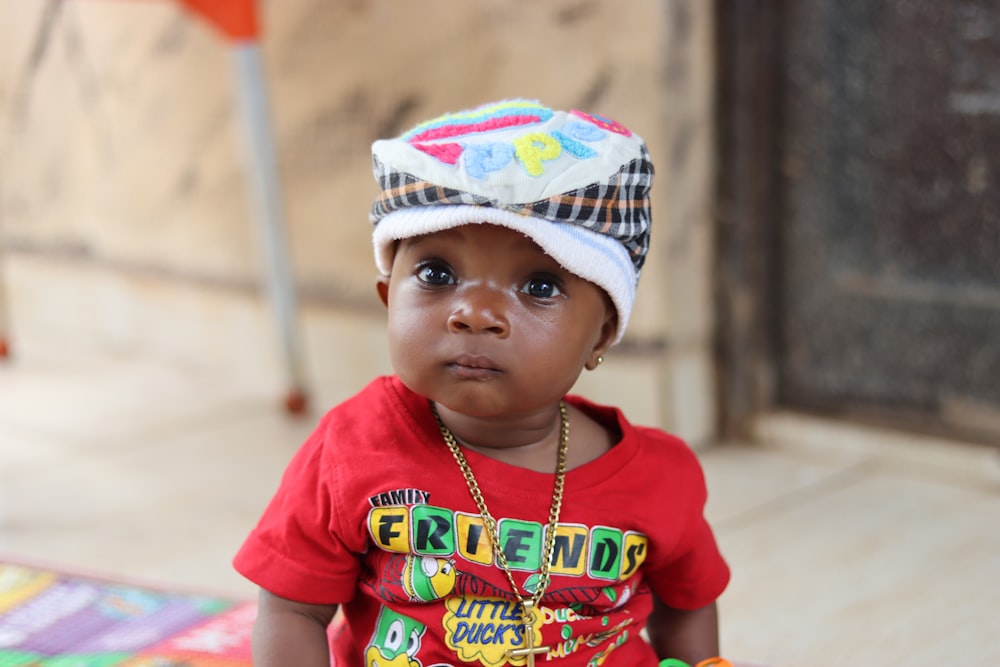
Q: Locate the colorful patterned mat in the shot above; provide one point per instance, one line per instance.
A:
(52, 619)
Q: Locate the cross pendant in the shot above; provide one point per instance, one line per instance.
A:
(530, 617)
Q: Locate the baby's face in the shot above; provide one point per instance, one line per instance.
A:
(484, 322)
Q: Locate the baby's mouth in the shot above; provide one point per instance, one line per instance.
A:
(474, 365)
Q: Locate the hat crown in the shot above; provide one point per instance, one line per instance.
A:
(521, 156)
(512, 152)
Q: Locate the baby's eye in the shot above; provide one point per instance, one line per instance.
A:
(435, 273)
(542, 288)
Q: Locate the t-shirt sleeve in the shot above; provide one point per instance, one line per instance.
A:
(694, 573)
(297, 549)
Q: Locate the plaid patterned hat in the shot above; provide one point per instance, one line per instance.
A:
(575, 183)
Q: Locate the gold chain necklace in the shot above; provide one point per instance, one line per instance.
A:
(528, 604)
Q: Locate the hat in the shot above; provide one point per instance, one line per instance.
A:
(577, 184)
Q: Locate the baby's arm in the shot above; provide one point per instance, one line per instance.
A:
(291, 633)
(691, 636)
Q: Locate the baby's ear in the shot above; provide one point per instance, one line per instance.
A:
(382, 287)
(609, 330)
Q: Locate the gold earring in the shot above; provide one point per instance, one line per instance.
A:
(600, 359)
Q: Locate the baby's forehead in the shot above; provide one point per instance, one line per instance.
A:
(497, 238)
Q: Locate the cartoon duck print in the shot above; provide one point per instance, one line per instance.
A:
(395, 641)
(426, 578)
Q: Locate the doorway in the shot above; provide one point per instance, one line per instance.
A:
(859, 212)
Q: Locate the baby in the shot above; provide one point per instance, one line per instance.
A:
(466, 510)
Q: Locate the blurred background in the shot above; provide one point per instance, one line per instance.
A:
(128, 213)
(819, 315)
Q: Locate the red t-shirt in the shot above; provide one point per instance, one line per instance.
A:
(374, 514)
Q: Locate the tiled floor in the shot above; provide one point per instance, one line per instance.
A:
(136, 467)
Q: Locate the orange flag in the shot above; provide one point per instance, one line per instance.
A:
(236, 19)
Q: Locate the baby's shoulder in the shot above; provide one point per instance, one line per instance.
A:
(600, 429)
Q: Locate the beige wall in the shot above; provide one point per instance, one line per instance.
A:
(124, 213)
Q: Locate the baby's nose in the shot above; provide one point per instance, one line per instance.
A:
(480, 309)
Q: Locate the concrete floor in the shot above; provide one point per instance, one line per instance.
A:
(145, 468)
